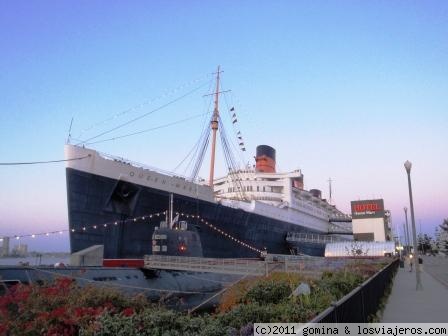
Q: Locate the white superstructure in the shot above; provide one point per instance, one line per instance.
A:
(276, 195)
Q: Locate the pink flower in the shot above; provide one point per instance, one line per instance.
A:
(58, 312)
(128, 312)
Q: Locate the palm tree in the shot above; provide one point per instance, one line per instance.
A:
(443, 237)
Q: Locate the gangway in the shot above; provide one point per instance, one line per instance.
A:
(312, 238)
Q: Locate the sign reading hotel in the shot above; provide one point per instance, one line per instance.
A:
(368, 209)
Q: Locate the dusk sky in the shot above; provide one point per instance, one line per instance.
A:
(347, 90)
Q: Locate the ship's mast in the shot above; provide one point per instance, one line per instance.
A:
(214, 125)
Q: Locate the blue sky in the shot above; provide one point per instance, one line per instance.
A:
(342, 89)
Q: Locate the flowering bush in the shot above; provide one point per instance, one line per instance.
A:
(62, 308)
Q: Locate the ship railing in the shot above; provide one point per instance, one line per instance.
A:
(214, 265)
(146, 167)
(313, 238)
(309, 266)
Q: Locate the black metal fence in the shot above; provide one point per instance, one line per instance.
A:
(362, 302)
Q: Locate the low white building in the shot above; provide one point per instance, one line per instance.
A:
(370, 221)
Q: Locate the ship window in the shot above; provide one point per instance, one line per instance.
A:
(264, 189)
(258, 188)
(156, 179)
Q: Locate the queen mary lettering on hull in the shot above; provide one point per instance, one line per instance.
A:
(134, 210)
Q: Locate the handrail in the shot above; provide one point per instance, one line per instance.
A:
(358, 290)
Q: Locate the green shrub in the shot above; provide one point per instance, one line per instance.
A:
(339, 283)
(268, 292)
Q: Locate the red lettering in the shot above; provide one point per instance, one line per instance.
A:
(363, 207)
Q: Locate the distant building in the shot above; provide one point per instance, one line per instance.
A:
(4, 252)
(370, 221)
(20, 250)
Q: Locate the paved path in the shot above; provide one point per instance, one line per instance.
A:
(405, 304)
(438, 268)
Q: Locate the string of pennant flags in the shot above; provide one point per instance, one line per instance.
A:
(238, 132)
(132, 220)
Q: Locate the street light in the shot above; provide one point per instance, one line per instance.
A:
(407, 166)
(408, 239)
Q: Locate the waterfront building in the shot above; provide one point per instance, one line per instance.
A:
(4, 252)
(20, 250)
(370, 221)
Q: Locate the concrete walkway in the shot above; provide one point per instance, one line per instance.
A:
(405, 304)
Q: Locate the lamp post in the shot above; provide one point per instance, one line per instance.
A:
(408, 239)
(405, 239)
(407, 166)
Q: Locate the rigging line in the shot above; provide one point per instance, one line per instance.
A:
(145, 102)
(200, 157)
(188, 154)
(147, 130)
(205, 133)
(202, 140)
(232, 164)
(200, 153)
(193, 149)
(196, 145)
(41, 162)
(227, 158)
(146, 114)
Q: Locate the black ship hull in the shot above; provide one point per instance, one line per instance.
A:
(94, 200)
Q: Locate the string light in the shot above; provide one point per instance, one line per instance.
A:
(105, 225)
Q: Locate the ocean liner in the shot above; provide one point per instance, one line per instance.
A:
(133, 210)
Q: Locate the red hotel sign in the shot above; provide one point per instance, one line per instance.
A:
(368, 209)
